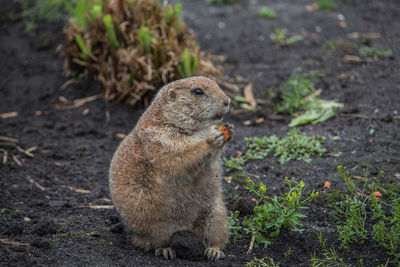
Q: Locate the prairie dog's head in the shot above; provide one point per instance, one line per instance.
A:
(194, 103)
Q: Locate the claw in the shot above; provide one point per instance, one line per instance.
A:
(167, 253)
(230, 128)
(214, 253)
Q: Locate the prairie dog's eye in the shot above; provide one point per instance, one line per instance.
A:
(197, 91)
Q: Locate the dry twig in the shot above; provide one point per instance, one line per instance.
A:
(249, 95)
(8, 115)
(12, 243)
(35, 183)
(250, 250)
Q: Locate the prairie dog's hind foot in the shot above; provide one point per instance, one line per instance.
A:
(214, 253)
(167, 253)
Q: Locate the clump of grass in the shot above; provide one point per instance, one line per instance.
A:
(329, 256)
(362, 204)
(299, 98)
(386, 232)
(263, 262)
(299, 86)
(326, 5)
(7, 211)
(280, 37)
(274, 213)
(295, 145)
(367, 51)
(132, 46)
(188, 64)
(266, 12)
(351, 212)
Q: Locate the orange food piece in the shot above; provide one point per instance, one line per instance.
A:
(377, 194)
(225, 130)
(327, 184)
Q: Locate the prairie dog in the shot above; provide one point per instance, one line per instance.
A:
(166, 174)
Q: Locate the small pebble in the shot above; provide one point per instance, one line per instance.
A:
(117, 228)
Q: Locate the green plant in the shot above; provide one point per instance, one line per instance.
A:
(44, 10)
(145, 38)
(264, 262)
(386, 232)
(352, 215)
(280, 38)
(274, 213)
(326, 5)
(367, 51)
(361, 203)
(299, 96)
(79, 11)
(329, 258)
(351, 212)
(295, 145)
(188, 65)
(96, 10)
(330, 45)
(7, 211)
(266, 12)
(345, 175)
(296, 88)
(172, 16)
(318, 110)
(86, 49)
(235, 163)
(234, 226)
(112, 36)
(338, 45)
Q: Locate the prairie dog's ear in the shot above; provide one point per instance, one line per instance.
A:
(171, 95)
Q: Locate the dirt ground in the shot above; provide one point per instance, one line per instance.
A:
(46, 216)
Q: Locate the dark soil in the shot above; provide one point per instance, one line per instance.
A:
(51, 222)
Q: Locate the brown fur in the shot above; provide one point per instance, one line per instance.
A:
(166, 174)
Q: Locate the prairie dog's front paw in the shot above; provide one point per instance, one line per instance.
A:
(167, 253)
(216, 138)
(214, 253)
(231, 130)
